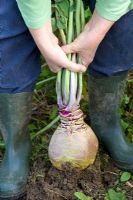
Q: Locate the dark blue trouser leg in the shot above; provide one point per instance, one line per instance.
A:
(92, 5)
(19, 56)
(115, 53)
(19, 64)
(19, 89)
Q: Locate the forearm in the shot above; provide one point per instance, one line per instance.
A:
(52, 52)
(36, 15)
(46, 41)
(42, 36)
(98, 26)
(88, 41)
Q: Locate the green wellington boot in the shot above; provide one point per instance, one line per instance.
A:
(105, 97)
(15, 112)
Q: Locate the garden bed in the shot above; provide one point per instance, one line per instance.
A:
(45, 182)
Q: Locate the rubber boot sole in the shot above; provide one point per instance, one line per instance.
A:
(16, 197)
(117, 164)
(123, 167)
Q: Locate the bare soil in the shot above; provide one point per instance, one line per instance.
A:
(47, 183)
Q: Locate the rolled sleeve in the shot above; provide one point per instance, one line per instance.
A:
(35, 12)
(113, 9)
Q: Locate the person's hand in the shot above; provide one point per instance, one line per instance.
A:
(85, 45)
(88, 41)
(56, 58)
(52, 52)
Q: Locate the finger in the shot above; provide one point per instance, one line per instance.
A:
(75, 67)
(54, 68)
(68, 48)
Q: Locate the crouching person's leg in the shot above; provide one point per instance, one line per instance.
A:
(107, 76)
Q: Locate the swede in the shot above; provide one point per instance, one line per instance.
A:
(73, 142)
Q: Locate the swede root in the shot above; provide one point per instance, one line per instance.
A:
(73, 142)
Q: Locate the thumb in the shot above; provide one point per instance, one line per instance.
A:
(68, 48)
(75, 67)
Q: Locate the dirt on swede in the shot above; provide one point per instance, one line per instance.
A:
(47, 183)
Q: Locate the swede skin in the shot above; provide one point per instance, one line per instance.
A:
(73, 143)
